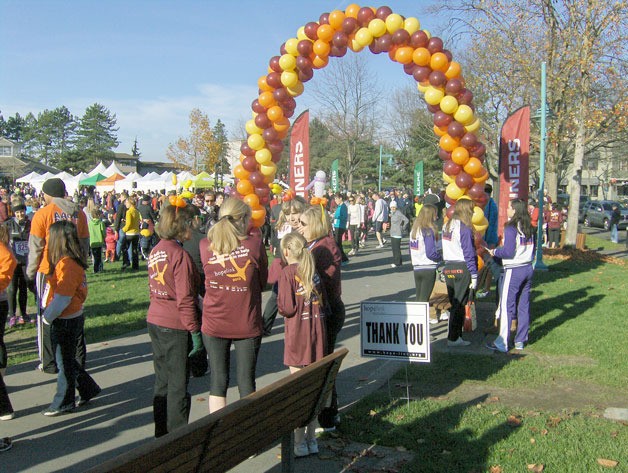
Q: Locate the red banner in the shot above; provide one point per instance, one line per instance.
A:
(300, 154)
(514, 154)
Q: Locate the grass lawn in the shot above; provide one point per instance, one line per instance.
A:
(552, 395)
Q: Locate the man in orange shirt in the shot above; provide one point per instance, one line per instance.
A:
(57, 208)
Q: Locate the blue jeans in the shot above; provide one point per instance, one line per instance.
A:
(614, 233)
(120, 249)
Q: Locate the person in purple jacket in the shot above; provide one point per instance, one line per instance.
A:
(425, 251)
(517, 255)
(461, 267)
(174, 284)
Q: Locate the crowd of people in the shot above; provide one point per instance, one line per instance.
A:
(207, 268)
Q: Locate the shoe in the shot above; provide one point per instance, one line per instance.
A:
(384, 241)
(458, 343)
(492, 346)
(312, 446)
(433, 321)
(12, 322)
(9, 416)
(393, 265)
(380, 246)
(5, 444)
(84, 400)
(362, 245)
(301, 450)
(444, 315)
(52, 412)
(481, 294)
(20, 320)
(351, 253)
(518, 345)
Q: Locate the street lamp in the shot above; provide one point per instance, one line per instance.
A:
(389, 156)
(539, 265)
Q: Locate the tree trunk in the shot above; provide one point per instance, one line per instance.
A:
(551, 184)
(575, 180)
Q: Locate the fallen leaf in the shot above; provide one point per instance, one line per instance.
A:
(544, 432)
(495, 469)
(533, 429)
(113, 286)
(536, 468)
(493, 399)
(479, 406)
(514, 421)
(553, 421)
(607, 463)
(614, 434)
(532, 440)
(495, 413)
(372, 413)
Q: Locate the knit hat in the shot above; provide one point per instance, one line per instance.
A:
(54, 187)
(18, 207)
(393, 205)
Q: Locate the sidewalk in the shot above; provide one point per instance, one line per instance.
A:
(121, 417)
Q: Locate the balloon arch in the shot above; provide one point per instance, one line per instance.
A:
(438, 78)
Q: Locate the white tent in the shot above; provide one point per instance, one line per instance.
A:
(150, 182)
(100, 168)
(28, 178)
(113, 169)
(64, 176)
(127, 184)
(184, 176)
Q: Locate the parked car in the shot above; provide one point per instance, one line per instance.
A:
(597, 213)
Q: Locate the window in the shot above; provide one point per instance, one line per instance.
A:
(5, 151)
(592, 162)
(594, 190)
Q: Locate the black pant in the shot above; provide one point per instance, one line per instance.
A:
(270, 311)
(170, 361)
(424, 280)
(5, 402)
(4, 311)
(395, 244)
(17, 285)
(356, 234)
(97, 255)
(339, 233)
(458, 279)
(132, 241)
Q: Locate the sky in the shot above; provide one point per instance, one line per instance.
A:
(150, 62)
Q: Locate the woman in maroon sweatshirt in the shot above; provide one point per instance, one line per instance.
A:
(172, 316)
(236, 269)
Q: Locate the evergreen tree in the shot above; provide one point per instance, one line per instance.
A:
(135, 151)
(96, 134)
(15, 128)
(220, 136)
(3, 125)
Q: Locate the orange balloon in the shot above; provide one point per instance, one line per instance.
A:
(460, 156)
(281, 125)
(275, 113)
(336, 18)
(404, 54)
(439, 62)
(480, 263)
(440, 131)
(473, 167)
(320, 62)
(240, 173)
(325, 33)
(252, 200)
(266, 99)
(421, 56)
(258, 222)
(244, 187)
(283, 133)
(448, 143)
(352, 10)
(321, 48)
(453, 70)
(257, 213)
(263, 85)
(482, 177)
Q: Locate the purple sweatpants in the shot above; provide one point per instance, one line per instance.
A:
(514, 303)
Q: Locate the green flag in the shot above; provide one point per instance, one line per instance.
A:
(335, 179)
(418, 178)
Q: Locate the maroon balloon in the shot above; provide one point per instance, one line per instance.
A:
(401, 37)
(469, 140)
(372, 47)
(256, 178)
(437, 78)
(274, 64)
(383, 12)
(310, 30)
(305, 74)
(282, 49)
(444, 155)
(435, 45)
(339, 51)
(482, 200)
(451, 169)
(281, 94)
(275, 146)
(246, 150)
(349, 25)
(421, 73)
(260, 189)
(304, 47)
(451, 203)
(340, 39)
(464, 181)
(288, 113)
(290, 103)
(456, 129)
(478, 151)
(262, 121)
(249, 163)
(365, 15)
(270, 134)
(465, 97)
(303, 62)
(419, 39)
(447, 53)
(453, 86)
(323, 19)
(257, 107)
(384, 42)
(476, 190)
(450, 210)
(442, 119)
(408, 68)
(276, 157)
(433, 108)
(273, 79)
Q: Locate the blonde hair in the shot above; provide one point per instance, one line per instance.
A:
(295, 245)
(463, 211)
(230, 229)
(425, 220)
(318, 221)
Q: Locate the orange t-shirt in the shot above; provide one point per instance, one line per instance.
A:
(7, 266)
(67, 280)
(45, 217)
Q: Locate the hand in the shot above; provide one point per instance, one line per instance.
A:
(474, 283)
(197, 344)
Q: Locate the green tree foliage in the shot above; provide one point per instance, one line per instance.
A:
(220, 135)
(14, 128)
(135, 151)
(96, 133)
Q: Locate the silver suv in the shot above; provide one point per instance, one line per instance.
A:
(597, 213)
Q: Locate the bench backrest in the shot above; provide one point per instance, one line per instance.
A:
(223, 439)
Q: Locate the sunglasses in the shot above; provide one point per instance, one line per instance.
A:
(209, 201)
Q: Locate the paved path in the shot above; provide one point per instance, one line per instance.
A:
(121, 417)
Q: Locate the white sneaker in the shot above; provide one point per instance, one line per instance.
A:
(433, 321)
(312, 446)
(301, 450)
(9, 416)
(352, 253)
(384, 240)
(393, 265)
(444, 315)
(458, 343)
(380, 246)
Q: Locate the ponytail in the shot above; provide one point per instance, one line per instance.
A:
(294, 244)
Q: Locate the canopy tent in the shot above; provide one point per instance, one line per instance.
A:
(150, 182)
(38, 182)
(109, 183)
(29, 177)
(128, 183)
(92, 180)
(184, 176)
(99, 169)
(203, 180)
(64, 176)
(113, 169)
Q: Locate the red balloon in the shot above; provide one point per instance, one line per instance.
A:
(288, 113)
(450, 201)
(304, 47)
(276, 158)
(448, 54)
(374, 49)
(262, 121)
(407, 68)
(273, 79)
(258, 107)
(323, 19)
(270, 134)
(282, 49)
(383, 12)
(479, 150)
(384, 42)
(340, 39)
(482, 200)
(435, 45)
(421, 73)
(275, 147)
(256, 178)
(419, 39)
(465, 97)
(262, 190)
(401, 37)
(469, 140)
(304, 62)
(280, 94)
(456, 129)
(365, 15)
(290, 103)
(433, 108)
(338, 51)
(246, 150)
(274, 64)
(476, 190)
(442, 119)
(450, 210)
(453, 86)
(451, 169)
(463, 180)
(437, 78)
(249, 163)
(349, 25)
(444, 155)
(310, 30)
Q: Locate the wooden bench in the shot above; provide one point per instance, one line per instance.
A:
(223, 439)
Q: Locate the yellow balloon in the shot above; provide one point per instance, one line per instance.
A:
(447, 178)
(291, 46)
(301, 34)
(453, 191)
(377, 27)
(287, 62)
(433, 96)
(276, 189)
(480, 228)
(364, 37)
(473, 127)
(449, 104)
(187, 184)
(289, 78)
(263, 156)
(251, 128)
(268, 169)
(174, 179)
(478, 215)
(186, 195)
(394, 21)
(411, 25)
(256, 142)
(355, 46)
(427, 33)
(422, 88)
(464, 115)
(296, 90)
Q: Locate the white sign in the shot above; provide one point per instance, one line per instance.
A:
(395, 330)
